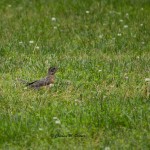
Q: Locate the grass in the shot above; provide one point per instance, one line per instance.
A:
(98, 100)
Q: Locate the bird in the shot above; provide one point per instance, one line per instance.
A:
(48, 80)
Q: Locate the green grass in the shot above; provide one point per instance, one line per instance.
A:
(99, 95)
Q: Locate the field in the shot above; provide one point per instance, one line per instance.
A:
(100, 98)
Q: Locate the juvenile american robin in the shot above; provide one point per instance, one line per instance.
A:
(49, 79)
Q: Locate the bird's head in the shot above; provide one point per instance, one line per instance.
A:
(52, 70)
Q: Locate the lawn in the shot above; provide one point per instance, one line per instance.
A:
(100, 98)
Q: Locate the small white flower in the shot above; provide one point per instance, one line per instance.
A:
(119, 34)
(125, 26)
(40, 129)
(37, 47)
(9, 5)
(126, 77)
(142, 9)
(107, 148)
(20, 42)
(57, 122)
(51, 85)
(55, 118)
(120, 20)
(31, 42)
(138, 57)
(87, 12)
(147, 79)
(55, 27)
(143, 43)
(53, 19)
(127, 14)
(104, 97)
(100, 36)
(99, 70)
(141, 24)
(25, 88)
(134, 35)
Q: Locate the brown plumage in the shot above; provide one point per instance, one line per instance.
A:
(49, 79)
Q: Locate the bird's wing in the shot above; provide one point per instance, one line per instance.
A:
(39, 83)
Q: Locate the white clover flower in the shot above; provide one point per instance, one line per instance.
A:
(119, 34)
(120, 20)
(20, 42)
(87, 12)
(126, 77)
(55, 118)
(125, 26)
(147, 79)
(57, 122)
(143, 43)
(53, 19)
(100, 36)
(127, 14)
(141, 24)
(37, 47)
(51, 85)
(55, 27)
(99, 70)
(31, 42)
(107, 148)
(40, 129)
